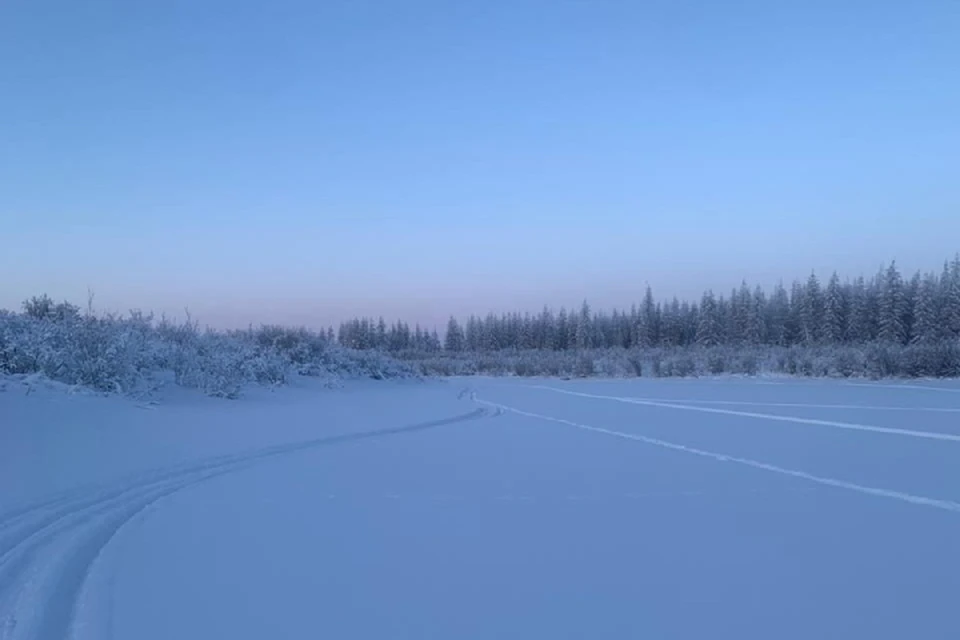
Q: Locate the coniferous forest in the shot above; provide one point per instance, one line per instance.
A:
(884, 325)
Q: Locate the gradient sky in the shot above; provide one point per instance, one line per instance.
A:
(303, 161)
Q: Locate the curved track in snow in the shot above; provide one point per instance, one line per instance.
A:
(47, 549)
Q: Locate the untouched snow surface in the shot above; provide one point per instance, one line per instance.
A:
(482, 508)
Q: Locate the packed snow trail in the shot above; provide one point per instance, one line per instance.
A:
(930, 435)
(47, 550)
(946, 505)
(791, 405)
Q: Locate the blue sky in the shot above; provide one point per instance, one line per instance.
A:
(301, 161)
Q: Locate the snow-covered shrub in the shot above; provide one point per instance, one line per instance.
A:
(303, 348)
(213, 363)
(370, 364)
(746, 364)
(935, 359)
(716, 362)
(656, 365)
(126, 354)
(848, 363)
(107, 354)
(883, 360)
(679, 365)
(618, 363)
(636, 363)
(313, 354)
(585, 366)
(524, 368)
(19, 346)
(44, 308)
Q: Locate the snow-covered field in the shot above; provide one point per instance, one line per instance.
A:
(485, 508)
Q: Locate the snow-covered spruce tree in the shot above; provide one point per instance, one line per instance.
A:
(648, 328)
(734, 319)
(548, 330)
(473, 334)
(572, 325)
(724, 320)
(454, 340)
(755, 331)
(636, 328)
(619, 330)
(875, 287)
(708, 327)
(777, 316)
(834, 311)
(796, 328)
(672, 324)
(691, 316)
(563, 330)
(741, 300)
(892, 308)
(380, 339)
(925, 328)
(812, 311)
(858, 320)
(950, 299)
(583, 336)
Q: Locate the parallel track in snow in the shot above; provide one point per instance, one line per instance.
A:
(679, 405)
(946, 505)
(47, 549)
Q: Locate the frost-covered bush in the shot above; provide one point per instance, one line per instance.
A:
(678, 365)
(20, 345)
(44, 308)
(636, 363)
(848, 363)
(303, 348)
(313, 354)
(883, 360)
(585, 365)
(716, 362)
(217, 364)
(127, 354)
(107, 354)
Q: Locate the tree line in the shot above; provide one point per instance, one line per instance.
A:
(885, 308)
(366, 333)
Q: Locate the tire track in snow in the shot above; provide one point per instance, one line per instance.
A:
(930, 435)
(795, 405)
(914, 387)
(47, 550)
(946, 505)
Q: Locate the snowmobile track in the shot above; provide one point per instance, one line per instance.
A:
(48, 549)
